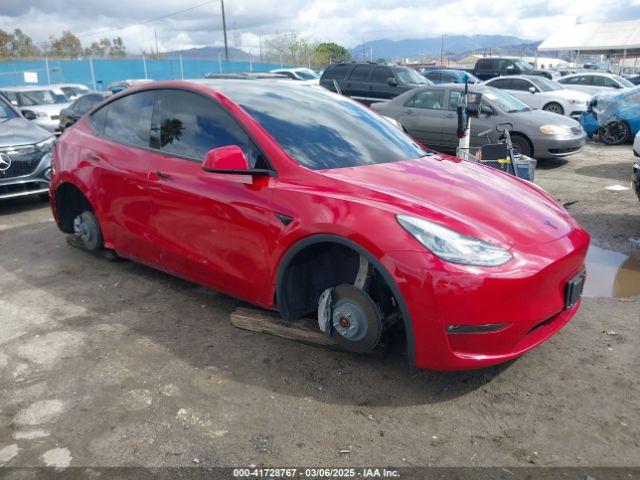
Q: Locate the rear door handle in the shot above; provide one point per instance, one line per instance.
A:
(408, 112)
(164, 176)
(93, 157)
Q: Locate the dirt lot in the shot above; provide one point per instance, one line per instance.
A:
(111, 364)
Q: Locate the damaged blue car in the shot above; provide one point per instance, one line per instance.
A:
(613, 116)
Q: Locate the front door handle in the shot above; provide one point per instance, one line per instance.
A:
(93, 157)
(163, 176)
(408, 112)
(451, 115)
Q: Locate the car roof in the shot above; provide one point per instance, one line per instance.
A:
(592, 73)
(26, 88)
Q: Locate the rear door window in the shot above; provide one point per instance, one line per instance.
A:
(336, 72)
(360, 73)
(129, 119)
(501, 83)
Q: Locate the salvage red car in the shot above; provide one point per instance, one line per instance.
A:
(293, 198)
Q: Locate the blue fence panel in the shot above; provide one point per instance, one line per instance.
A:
(107, 71)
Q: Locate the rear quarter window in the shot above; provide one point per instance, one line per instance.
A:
(336, 72)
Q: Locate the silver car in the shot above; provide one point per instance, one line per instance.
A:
(594, 82)
(25, 155)
(429, 115)
(40, 104)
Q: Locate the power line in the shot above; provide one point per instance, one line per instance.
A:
(144, 22)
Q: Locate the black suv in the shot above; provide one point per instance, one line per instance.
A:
(492, 67)
(370, 82)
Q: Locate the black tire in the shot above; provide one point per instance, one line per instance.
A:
(87, 230)
(522, 144)
(554, 107)
(615, 133)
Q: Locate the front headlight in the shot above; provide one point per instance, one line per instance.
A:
(555, 130)
(453, 246)
(46, 145)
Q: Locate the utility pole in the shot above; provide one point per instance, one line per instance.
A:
(157, 51)
(224, 30)
(442, 50)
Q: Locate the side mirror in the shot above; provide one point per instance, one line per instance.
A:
(532, 89)
(486, 110)
(473, 110)
(29, 114)
(392, 81)
(616, 86)
(231, 160)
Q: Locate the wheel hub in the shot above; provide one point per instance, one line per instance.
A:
(349, 320)
(81, 229)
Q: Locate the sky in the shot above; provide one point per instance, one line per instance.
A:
(348, 22)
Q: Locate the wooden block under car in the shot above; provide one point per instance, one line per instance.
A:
(304, 330)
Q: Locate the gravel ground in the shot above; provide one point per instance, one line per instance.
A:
(114, 364)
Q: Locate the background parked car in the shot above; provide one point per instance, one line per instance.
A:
(25, 160)
(594, 82)
(635, 172)
(429, 115)
(40, 104)
(73, 90)
(370, 82)
(614, 116)
(491, 67)
(80, 106)
(542, 93)
(449, 75)
(120, 85)
(635, 79)
(301, 74)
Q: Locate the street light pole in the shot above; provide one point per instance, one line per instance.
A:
(224, 30)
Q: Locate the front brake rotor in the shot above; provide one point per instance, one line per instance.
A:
(356, 320)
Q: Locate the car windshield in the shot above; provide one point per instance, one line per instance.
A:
(307, 74)
(322, 130)
(42, 97)
(504, 101)
(408, 75)
(6, 111)
(546, 85)
(524, 66)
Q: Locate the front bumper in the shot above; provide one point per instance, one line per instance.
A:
(527, 293)
(29, 181)
(635, 179)
(552, 146)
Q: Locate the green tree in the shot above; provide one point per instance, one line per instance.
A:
(67, 46)
(330, 52)
(6, 43)
(23, 46)
(117, 49)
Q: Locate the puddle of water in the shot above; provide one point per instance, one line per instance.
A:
(611, 274)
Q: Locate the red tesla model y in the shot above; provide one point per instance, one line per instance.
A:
(294, 198)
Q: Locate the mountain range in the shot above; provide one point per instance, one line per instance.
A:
(454, 45)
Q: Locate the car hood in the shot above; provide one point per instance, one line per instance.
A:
(469, 198)
(20, 131)
(536, 118)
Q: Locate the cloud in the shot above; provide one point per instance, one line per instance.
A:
(348, 22)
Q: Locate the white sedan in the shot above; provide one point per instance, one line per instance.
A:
(542, 93)
(594, 82)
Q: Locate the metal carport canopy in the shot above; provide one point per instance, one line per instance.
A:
(597, 38)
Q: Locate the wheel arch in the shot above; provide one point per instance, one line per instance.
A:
(526, 137)
(312, 240)
(69, 191)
